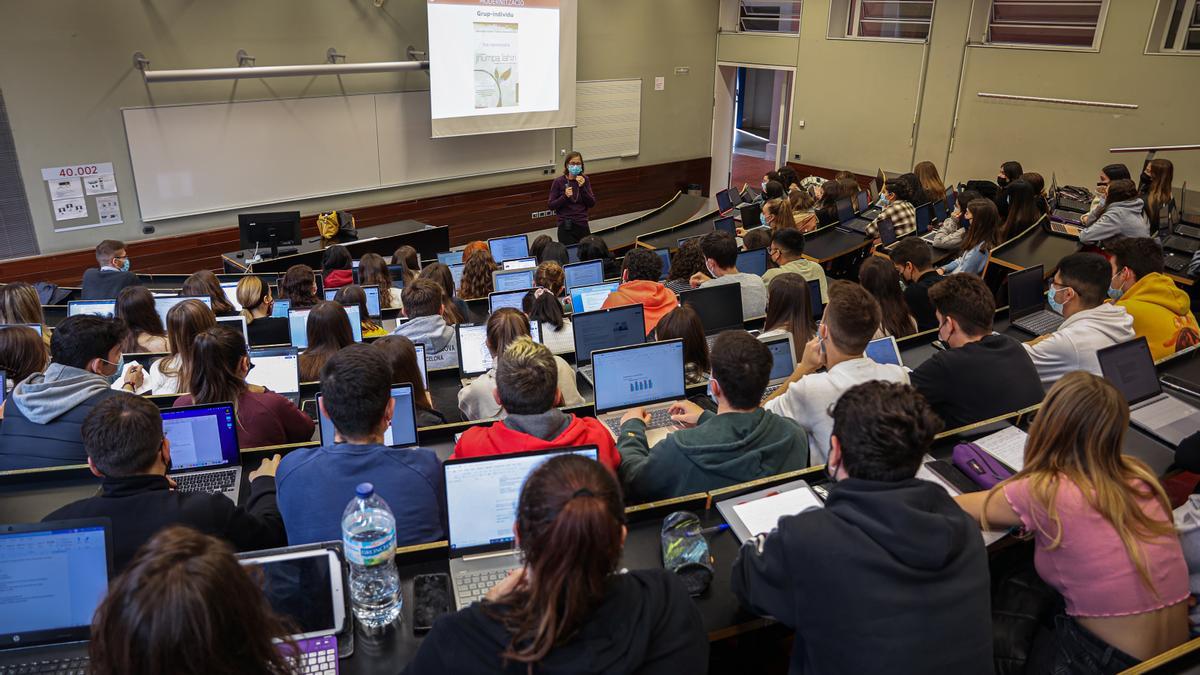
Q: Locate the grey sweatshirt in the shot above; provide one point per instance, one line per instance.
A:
(1119, 219)
(46, 396)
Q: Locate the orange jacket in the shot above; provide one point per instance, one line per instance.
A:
(653, 296)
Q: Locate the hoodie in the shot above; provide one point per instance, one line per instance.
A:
(1162, 313)
(1120, 219)
(438, 337)
(1074, 345)
(653, 296)
(338, 278)
(889, 577)
(722, 450)
(645, 624)
(551, 429)
(42, 421)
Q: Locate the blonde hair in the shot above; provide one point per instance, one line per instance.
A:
(1077, 436)
(19, 303)
(781, 213)
(251, 292)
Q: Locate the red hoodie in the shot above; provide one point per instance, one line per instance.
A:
(653, 296)
(498, 439)
(339, 278)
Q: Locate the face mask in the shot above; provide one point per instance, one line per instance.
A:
(575, 169)
(764, 186)
(1002, 181)
(939, 334)
(710, 392)
(1115, 293)
(1055, 305)
(831, 471)
(125, 265)
(709, 270)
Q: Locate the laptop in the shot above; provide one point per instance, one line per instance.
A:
(277, 369)
(280, 309)
(649, 375)
(1027, 302)
(520, 264)
(591, 298)
(605, 329)
(845, 210)
(1063, 222)
(450, 257)
(3, 386)
(695, 237)
(862, 202)
(1066, 202)
(884, 350)
(719, 308)
(725, 225)
(1178, 242)
(372, 292)
(509, 248)
(298, 325)
(512, 280)
(573, 253)
(939, 212)
(751, 215)
(664, 254)
(401, 433)
(205, 456)
(35, 327)
(54, 576)
(585, 273)
(753, 261)
(1130, 368)
(102, 308)
(783, 360)
(229, 288)
(514, 299)
(815, 300)
(474, 359)
(164, 305)
(924, 218)
(481, 507)
(724, 203)
(887, 231)
(236, 324)
(456, 272)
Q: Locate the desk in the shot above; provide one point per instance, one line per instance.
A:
(669, 238)
(1035, 246)
(678, 210)
(382, 239)
(828, 243)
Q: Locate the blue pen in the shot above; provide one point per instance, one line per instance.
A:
(709, 530)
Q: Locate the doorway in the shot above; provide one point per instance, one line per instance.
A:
(751, 120)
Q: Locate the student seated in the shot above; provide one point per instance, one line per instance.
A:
(914, 262)
(542, 305)
(205, 284)
(401, 353)
(882, 281)
(328, 330)
(112, 275)
(1123, 215)
(949, 234)
(1078, 291)
(424, 305)
(787, 251)
(22, 353)
(789, 310)
(1107, 175)
(218, 373)
(740, 442)
(685, 263)
(849, 323)
(185, 321)
(1154, 187)
(299, 287)
(1161, 311)
(1023, 208)
(127, 450)
(982, 374)
(776, 214)
(44, 412)
(899, 207)
(1010, 172)
(525, 388)
(315, 484)
(1103, 530)
(181, 576)
(20, 304)
(257, 304)
(337, 267)
(757, 237)
(639, 286)
(354, 296)
(593, 247)
(720, 263)
(684, 323)
(571, 609)
(982, 235)
(476, 276)
(135, 306)
(454, 309)
(932, 188)
(888, 577)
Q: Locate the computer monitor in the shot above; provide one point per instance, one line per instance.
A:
(723, 203)
(402, 432)
(102, 308)
(584, 273)
(753, 261)
(725, 225)
(273, 230)
(276, 368)
(664, 254)
(607, 328)
(513, 299)
(508, 248)
(512, 280)
(719, 306)
(201, 436)
(450, 257)
(520, 264)
(590, 298)
(236, 324)
(298, 325)
(372, 292)
(474, 358)
(638, 375)
(164, 305)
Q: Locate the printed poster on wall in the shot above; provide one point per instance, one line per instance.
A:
(65, 188)
(110, 210)
(69, 209)
(104, 183)
(71, 186)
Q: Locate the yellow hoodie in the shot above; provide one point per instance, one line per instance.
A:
(1162, 313)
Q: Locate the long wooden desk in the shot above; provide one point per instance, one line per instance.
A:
(382, 239)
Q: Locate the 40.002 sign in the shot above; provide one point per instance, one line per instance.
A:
(58, 172)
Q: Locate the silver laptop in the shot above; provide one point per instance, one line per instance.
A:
(481, 507)
(1130, 367)
(474, 358)
(1027, 302)
(277, 369)
(54, 576)
(884, 350)
(401, 433)
(649, 375)
(205, 456)
(783, 360)
(605, 329)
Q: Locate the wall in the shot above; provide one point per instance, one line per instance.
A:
(66, 71)
(858, 99)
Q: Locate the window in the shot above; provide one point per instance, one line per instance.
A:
(765, 16)
(893, 19)
(1054, 23)
(1183, 29)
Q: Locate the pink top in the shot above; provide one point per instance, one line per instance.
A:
(1090, 567)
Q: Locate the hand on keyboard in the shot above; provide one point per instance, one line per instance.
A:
(638, 413)
(685, 413)
(506, 585)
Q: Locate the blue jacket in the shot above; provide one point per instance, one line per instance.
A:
(970, 261)
(315, 484)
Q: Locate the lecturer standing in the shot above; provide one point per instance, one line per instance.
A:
(570, 198)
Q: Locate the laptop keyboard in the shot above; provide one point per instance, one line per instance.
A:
(1163, 413)
(1040, 323)
(213, 482)
(1067, 216)
(1182, 244)
(659, 419)
(771, 390)
(73, 666)
(471, 586)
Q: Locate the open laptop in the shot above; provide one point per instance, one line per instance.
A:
(1066, 202)
(585, 273)
(1130, 367)
(783, 360)
(205, 456)
(724, 201)
(512, 280)
(591, 298)
(664, 254)
(753, 261)
(605, 329)
(456, 272)
(1063, 222)
(450, 257)
(887, 232)
(514, 299)
(298, 325)
(229, 288)
(401, 433)
(726, 224)
(474, 359)
(372, 292)
(164, 305)
(509, 248)
(719, 308)
(280, 308)
(520, 264)
(102, 308)
(1027, 302)
(751, 216)
(649, 375)
(237, 324)
(277, 369)
(53, 576)
(924, 218)
(884, 350)
(481, 506)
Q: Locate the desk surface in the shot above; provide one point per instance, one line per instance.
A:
(312, 245)
(1036, 246)
(670, 238)
(677, 211)
(829, 242)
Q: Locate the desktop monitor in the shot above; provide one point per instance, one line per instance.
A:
(753, 261)
(584, 273)
(509, 248)
(272, 230)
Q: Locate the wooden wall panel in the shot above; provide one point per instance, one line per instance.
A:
(471, 215)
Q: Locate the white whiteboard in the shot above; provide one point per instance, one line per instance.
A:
(608, 118)
(192, 159)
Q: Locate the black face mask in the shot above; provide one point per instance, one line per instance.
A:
(1144, 182)
(1002, 181)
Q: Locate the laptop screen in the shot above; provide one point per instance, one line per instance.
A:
(402, 432)
(607, 328)
(52, 578)
(230, 290)
(508, 248)
(201, 436)
(35, 327)
(298, 325)
(473, 355)
(372, 298)
(164, 305)
(520, 264)
(753, 261)
(939, 211)
(512, 280)
(725, 225)
(783, 357)
(591, 298)
(573, 253)
(862, 200)
(236, 324)
(1130, 367)
(104, 308)
(280, 309)
(1026, 292)
(884, 350)
(450, 257)
(636, 375)
(584, 273)
(3, 386)
(719, 306)
(924, 218)
(456, 274)
(276, 368)
(723, 203)
(481, 495)
(513, 299)
(665, 255)
(845, 210)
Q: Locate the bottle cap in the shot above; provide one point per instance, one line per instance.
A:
(364, 490)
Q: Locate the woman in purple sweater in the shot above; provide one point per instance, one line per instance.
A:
(570, 198)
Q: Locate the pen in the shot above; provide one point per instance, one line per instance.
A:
(709, 530)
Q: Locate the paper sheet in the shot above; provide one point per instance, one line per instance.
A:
(65, 188)
(1006, 445)
(762, 515)
(101, 184)
(67, 209)
(109, 208)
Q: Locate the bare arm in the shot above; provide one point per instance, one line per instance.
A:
(1000, 514)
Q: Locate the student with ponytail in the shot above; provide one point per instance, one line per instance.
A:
(569, 610)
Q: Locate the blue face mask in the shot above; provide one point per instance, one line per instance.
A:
(1055, 305)
(1115, 293)
(575, 169)
(125, 265)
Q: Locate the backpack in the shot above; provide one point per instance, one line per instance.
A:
(336, 222)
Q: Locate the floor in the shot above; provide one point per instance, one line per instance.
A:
(749, 160)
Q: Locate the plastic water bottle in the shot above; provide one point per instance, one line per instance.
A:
(369, 538)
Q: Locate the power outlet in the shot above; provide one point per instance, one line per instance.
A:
(797, 156)
(542, 214)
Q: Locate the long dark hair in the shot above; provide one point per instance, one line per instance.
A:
(1023, 208)
(328, 331)
(688, 260)
(356, 295)
(569, 518)
(214, 376)
(22, 352)
(881, 280)
(185, 321)
(540, 304)
(789, 308)
(299, 286)
(373, 271)
(410, 261)
(985, 225)
(402, 355)
(336, 257)
(205, 283)
(441, 275)
(185, 605)
(683, 322)
(135, 305)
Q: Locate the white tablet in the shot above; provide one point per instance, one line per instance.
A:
(304, 586)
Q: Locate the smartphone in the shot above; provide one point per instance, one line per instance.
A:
(431, 599)
(1181, 385)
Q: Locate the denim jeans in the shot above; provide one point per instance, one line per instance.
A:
(1079, 652)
